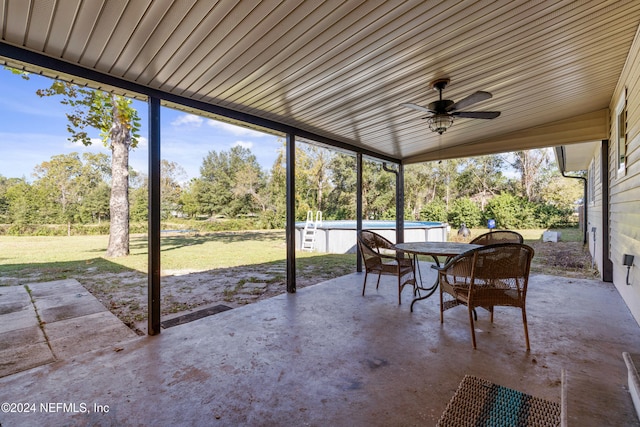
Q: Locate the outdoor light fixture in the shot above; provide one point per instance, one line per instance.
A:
(440, 122)
(628, 261)
(444, 110)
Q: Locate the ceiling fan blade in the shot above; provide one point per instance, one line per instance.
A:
(417, 107)
(476, 114)
(469, 100)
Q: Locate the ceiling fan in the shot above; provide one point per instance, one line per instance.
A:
(444, 110)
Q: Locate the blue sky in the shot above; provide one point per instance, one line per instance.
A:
(33, 129)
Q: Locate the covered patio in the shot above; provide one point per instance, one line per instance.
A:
(336, 73)
(326, 355)
(341, 74)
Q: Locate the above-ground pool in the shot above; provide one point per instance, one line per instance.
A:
(339, 237)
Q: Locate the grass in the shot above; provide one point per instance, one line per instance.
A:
(53, 258)
(213, 268)
(57, 256)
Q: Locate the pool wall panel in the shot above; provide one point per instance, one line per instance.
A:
(341, 240)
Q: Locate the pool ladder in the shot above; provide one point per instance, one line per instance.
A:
(310, 228)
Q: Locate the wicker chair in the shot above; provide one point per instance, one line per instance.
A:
(380, 257)
(489, 276)
(498, 236)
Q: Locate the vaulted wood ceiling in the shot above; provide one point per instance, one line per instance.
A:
(341, 69)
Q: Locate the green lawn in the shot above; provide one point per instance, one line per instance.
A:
(219, 267)
(56, 257)
(179, 251)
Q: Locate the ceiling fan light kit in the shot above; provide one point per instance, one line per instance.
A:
(444, 110)
(440, 122)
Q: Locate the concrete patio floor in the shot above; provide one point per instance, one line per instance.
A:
(329, 356)
(44, 322)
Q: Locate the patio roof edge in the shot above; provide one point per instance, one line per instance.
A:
(40, 60)
(591, 126)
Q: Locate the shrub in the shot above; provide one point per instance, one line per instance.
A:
(271, 220)
(551, 216)
(510, 211)
(464, 210)
(435, 210)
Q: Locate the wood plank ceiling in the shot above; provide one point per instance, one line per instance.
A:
(341, 69)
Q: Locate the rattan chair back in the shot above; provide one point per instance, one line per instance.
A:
(489, 276)
(498, 236)
(381, 258)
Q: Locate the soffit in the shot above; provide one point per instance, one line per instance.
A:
(341, 69)
(576, 157)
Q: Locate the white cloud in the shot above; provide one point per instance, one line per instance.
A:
(188, 120)
(96, 145)
(235, 130)
(143, 142)
(243, 144)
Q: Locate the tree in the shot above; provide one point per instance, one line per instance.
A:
(481, 178)
(562, 192)
(249, 181)
(171, 174)
(426, 182)
(230, 183)
(58, 179)
(531, 165)
(118, 123)
(95, 175)
(4, 201)
(276, 192)
(342, 197)
(190, 199)
(378, 191)
(21, 200)
(312, 174)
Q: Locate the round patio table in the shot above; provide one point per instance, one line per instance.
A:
(434, 250)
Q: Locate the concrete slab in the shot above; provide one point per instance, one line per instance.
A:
(22, 342)
(16, 309)
(73, 322)
(24, 318)
(23, 357)
(79, 335)
(329, 356)
(55, 287)
(11, 294)
(63, 299)
(19, 337)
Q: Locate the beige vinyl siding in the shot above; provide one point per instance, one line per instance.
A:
(594, 209)
(625, 188)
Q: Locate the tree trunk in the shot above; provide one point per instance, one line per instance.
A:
(119, 202)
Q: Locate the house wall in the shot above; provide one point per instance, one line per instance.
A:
(594, 210)
(624, 221)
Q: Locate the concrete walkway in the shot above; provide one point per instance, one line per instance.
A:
(44, 322)
(329, 356)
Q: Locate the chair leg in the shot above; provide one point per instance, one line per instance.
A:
(441, 307)
(526, 330)
(491, 311)
(378, 282)
(473, 330)
(399, 289)
(364, 285)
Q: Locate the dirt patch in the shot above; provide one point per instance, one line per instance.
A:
(568, 259)
(125, 294)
